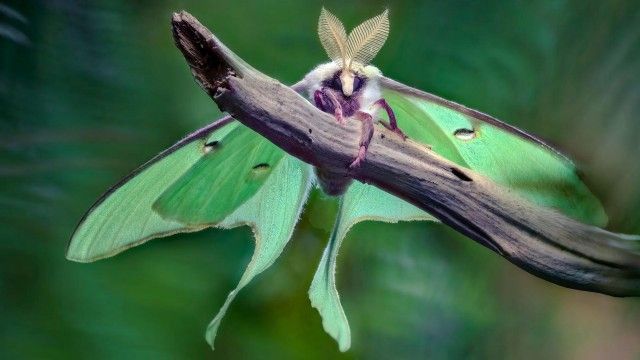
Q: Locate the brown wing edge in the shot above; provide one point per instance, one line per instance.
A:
(394, 85)
(196, 135)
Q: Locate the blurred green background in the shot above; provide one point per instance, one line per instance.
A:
(91, 89)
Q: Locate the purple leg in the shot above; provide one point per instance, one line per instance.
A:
(319, 100)
(365, 137)
(325, 99)
(393, 123)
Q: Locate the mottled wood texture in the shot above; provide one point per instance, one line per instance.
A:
(541, 241)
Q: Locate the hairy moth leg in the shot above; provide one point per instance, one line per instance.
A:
(324, 99)
(365, 137)
(393, 123)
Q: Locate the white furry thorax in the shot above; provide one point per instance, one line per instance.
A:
(367, 95)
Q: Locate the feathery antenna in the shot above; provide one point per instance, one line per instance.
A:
(362, 44)
(367, 39)
(332, 36)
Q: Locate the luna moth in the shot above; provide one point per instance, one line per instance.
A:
(226, 175)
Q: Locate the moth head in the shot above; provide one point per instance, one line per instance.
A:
(354, 52)
(347, 81)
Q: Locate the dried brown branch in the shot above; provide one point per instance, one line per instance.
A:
(539, 240)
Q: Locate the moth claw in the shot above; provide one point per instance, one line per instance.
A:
(395, 129)
(362, 154)
(401, 134)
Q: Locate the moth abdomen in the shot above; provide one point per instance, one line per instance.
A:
(332, 182)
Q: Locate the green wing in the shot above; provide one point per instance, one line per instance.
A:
(272, 213)
(261, 187)
(507, 155)
(361, 202)
(123, 218)
(215, 185)
(469, 138)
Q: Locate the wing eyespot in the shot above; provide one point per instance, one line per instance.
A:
(465, 134)
(259, 171)
(261, 168)
(211, 146)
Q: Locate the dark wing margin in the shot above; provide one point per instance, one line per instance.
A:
(394, 85)
(196, 135)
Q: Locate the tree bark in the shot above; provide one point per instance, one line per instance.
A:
(539, 240)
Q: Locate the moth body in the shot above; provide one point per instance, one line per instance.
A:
(348, 87)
